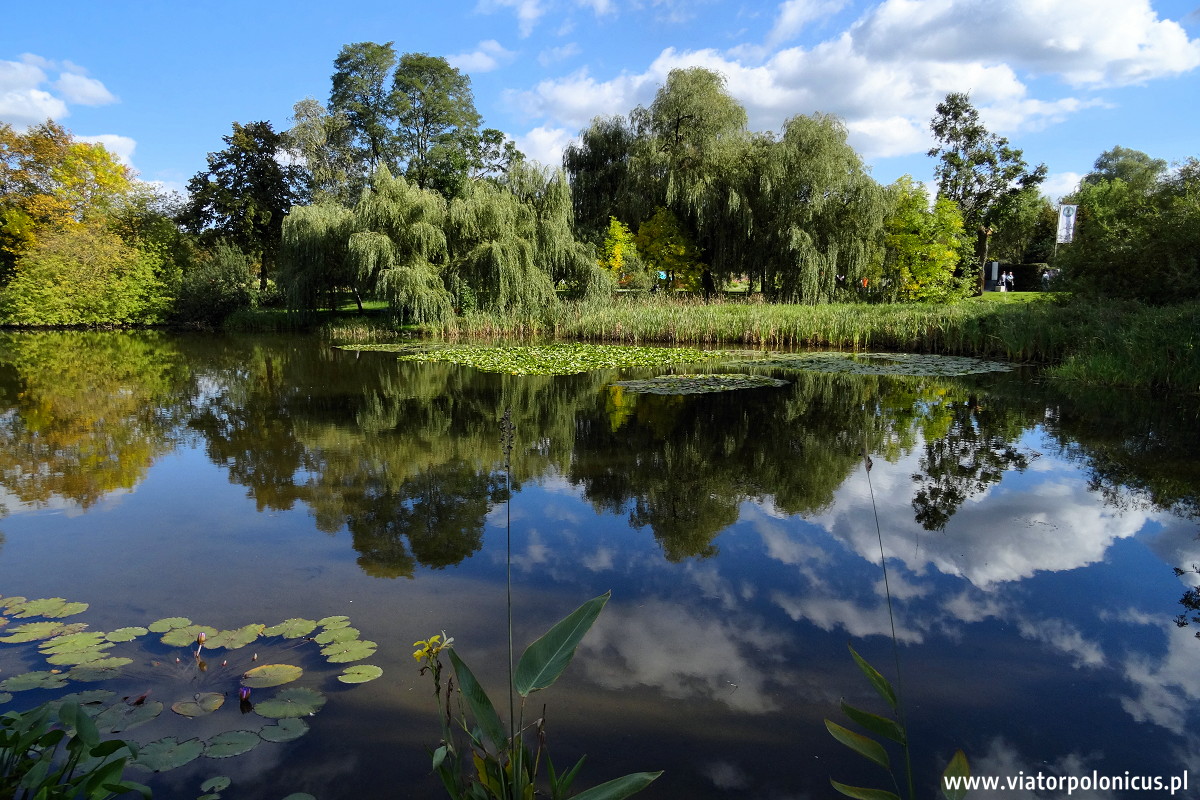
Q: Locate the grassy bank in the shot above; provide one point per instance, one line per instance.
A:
(1111, 343)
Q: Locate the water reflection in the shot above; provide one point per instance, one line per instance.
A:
(1030, 535)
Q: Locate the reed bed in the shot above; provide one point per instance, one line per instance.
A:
(1110, 343)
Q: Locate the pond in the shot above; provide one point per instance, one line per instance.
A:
(1031, 539)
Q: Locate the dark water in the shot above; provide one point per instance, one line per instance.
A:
(1030, 534)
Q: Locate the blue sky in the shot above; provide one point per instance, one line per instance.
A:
(161, 82)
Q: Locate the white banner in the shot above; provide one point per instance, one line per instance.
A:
(1066, 223)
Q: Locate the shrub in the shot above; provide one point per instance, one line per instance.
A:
(216, 287)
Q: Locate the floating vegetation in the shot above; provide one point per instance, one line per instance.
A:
(561, 359)
(915, 364)
(699, 384)
(216, 681)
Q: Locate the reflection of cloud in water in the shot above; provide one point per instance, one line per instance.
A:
(725, 775)
(599, 561)
(1002, 760)
(1165, 689)
(1002, 534)
(1064, 637)
(675, 650)
(831, 613)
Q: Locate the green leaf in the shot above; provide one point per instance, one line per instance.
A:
(124, 717)
(545, 659)
(50, 608)
(187, 635)
(864, 794)
(34, 680)
(878, 681)
(883, 726)
(164, 754)
(352, 650)
(291, 628)
(360, 673)
(201, 704)
(233, 640)
(860, 744)
(231, 743)
(329, 623)
(31, 632)
(299, 796)
(619, 788)
(271, 675)
(294, 702)
(126, 634)
(957, 768)
(218, 783)
(74, 642)
(168, 624)
(480, 704)
(336, 635)
(285, 730)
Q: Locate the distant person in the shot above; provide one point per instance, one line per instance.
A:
(1012, 282)
(1045, 280)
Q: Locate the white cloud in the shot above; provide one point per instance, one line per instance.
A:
(1059, 184)
(544, 145)
(795, 14)
(83, 90)
(553, 55)
(487, 56)
(528, 12)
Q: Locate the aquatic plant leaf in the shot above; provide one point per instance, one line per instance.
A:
(169, 753)
(286, 730)
(9, 602)
(291, 628)
(73, 657)
(91, 673)
(218, 783)
(915, 364)
(545, 659)
(360, 673)
(5, 697)
(231, 743)
(32, 632)
(960, 769)
(619, 788)
(570, 358)
(168, 624)
(89, 698)
(480, 704)
(352, 650)
(877, 680)
(882, 726)
(125, 717)
(271, 675)
(125, 634)
(699, 384)
(294, 702)
(202, 703)
(34, 680)
(329, 623)
(74, 642)
(299, 796)
(50, 608)
(235, 639)
(864, 794)
(863, 745)
(336, 635)
(187, 636)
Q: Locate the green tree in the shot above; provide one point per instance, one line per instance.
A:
(362, 95)
(314, 263)
(216, 286)
(83, 275)
(1028, 233)
(1133, 167)
(437, 124)
(923, 244)
(601, 174)
(666, 248)
(321, 140)
(978, 170)
(245, 194)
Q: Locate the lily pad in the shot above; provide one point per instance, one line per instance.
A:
(32, 632)
(291, 628)
(271, 675)
(5, 697)
(73, 642)
(50, 608)
(125, 634)
(336, 635)
(561, 359)
(168, 753)
(360, 673)
(9, 602)
(351, 650)
(290, 703)
(329, 623)
(125, 717)
(218, 784)
(74, 657)
(93, 672)
(231, 743)
(916, 364)
(168, 624)
(699, 384)
(299, 796)
(186, 636)
(286, 730)
(34, 680)
(235, 639)
(201, 704)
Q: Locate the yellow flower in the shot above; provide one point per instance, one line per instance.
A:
(428, 648)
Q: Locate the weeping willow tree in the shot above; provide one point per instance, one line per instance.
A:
(399, 247)
(313, 267)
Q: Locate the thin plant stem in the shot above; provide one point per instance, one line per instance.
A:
(507, 429)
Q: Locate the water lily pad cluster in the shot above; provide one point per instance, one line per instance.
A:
(914, 364)
(562, 358)
(259, 697)
(699, 384)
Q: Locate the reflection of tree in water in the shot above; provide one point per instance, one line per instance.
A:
(85, 414)
(971, 451)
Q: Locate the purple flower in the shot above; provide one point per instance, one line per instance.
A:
(244, 693)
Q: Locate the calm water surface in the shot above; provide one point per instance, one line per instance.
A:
(1030, 537)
